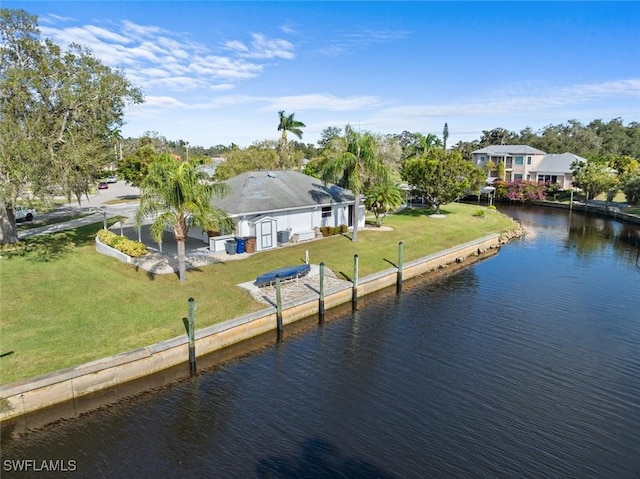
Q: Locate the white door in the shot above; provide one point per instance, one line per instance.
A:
(266, 234)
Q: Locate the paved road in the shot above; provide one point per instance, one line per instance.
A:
(94, 207)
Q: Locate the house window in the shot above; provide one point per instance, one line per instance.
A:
(326, 211)
(548, 178)
(528, 160)
(517, 176)
(519, 160)
(482, 158)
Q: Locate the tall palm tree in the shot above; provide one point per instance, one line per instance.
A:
(116, 137)
(352, 163)
(177, 195)
(445, 136)
(289, 124)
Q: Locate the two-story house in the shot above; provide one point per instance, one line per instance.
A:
(522, 162)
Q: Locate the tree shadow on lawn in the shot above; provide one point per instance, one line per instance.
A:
(53, 246)
(414, 212)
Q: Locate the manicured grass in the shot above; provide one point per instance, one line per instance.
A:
(634, 210)
(63, 304)
(619, 198)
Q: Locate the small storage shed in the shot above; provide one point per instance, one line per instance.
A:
(282, 206)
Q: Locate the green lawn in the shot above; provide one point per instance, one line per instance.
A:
(634, 210)
(63, 304)
(38, 221)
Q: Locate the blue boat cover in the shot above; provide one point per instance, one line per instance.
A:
(288, 272)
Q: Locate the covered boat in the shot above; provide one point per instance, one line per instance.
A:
(288, 272)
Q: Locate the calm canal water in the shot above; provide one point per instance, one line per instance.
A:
(524, 365)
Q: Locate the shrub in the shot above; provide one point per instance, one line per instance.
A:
(501, 188)
(631, 188)
(129, 247)
(522, 190)
(552, 189)
(333, 230)
(116, 240)
(135, 249)
(106, 236)
(479, 214)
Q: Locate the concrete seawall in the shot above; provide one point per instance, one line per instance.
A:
(34, 394)
(610, 212)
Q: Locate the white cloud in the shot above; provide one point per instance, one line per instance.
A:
(262, 48)
(157, 58)
(102, 34)
(630, 87)
(152, 104)
(52, 18)
(141, 30)
(515, 102)
(320, 101)
(224, 67)
(347, 42)
(288, 29)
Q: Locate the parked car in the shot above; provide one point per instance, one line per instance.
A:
(103, 185)
(112, 179)
(22, 213)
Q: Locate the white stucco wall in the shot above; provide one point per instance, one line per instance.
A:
(298, 221)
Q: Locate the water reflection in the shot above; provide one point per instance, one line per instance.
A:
(524, 365)
(587, 233)
(318, 458)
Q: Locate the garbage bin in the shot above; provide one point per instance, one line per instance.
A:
(240, 245)
(283, 236)
(230, 246)
(250, 246)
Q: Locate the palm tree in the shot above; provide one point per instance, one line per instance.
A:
(382, 198)
(116, 137)
(289, 124)
(352, 163)
(177, 195)
(423, 144)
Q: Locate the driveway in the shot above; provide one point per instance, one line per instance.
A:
(94, 207)
(162, 259)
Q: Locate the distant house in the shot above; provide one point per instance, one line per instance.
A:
(522, 162)
(281, 206)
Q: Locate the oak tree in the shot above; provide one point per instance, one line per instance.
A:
(59, 110)
(442, 177)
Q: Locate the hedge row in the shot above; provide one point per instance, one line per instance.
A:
(129, 247)
(333, 230)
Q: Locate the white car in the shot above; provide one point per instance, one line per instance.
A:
(22, 213)
(112, 179)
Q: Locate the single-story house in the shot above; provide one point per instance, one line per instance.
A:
(282, 206)
(522, 162)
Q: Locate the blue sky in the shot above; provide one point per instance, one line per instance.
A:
(219, 72)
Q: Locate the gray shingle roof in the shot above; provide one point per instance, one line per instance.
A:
(260, 192)
(557, 163)
(509, 150)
